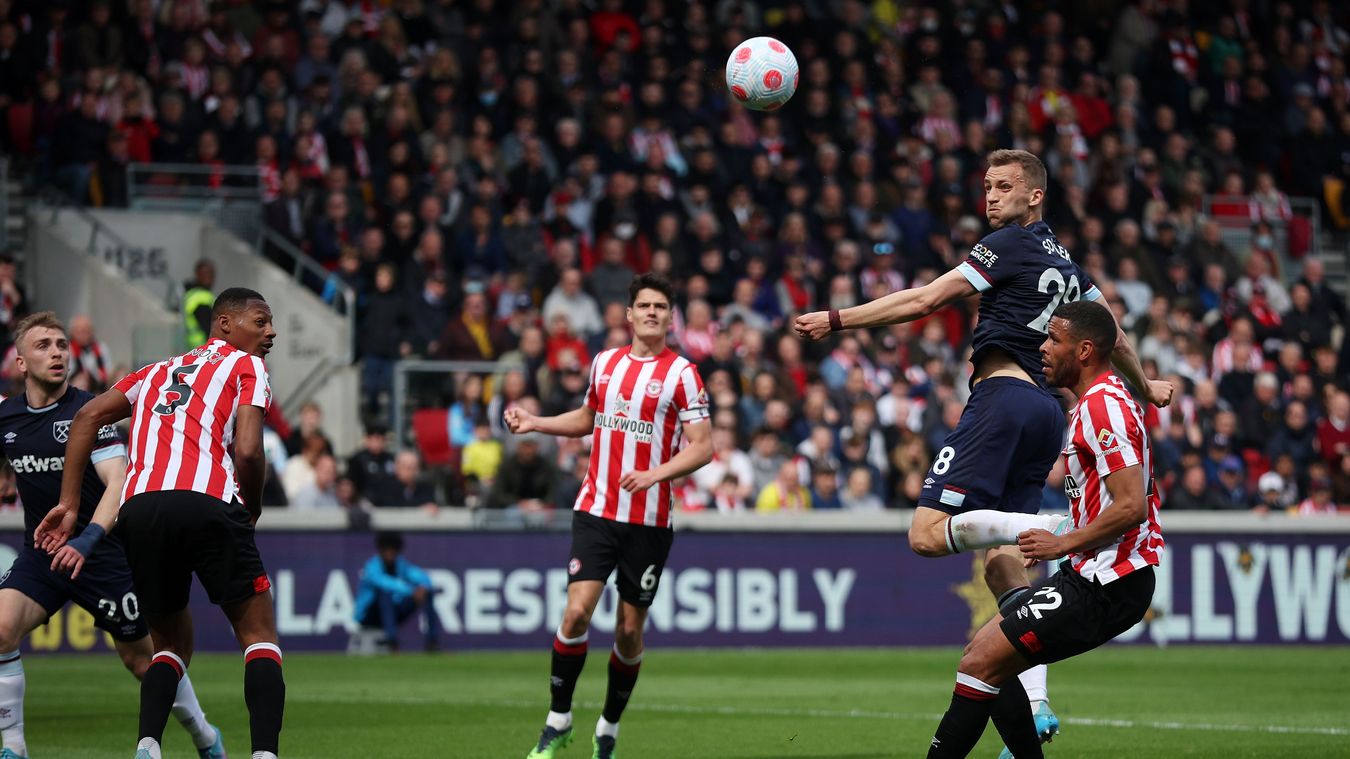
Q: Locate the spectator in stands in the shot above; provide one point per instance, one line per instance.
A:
(610, 278)
(583, 316)
(1301, 324)
(1296, 437)
(473, 335)
(311, 425)
(393, 589)
(299, 472)
(825, 493)
(858, 493)
(372, 467)
(1270, 494)
(1325, 300)
(1318, 502)
(784, 492)
(1333, 430)
(382, 338)
(322, 492)
(407, 488)
(1260, 413)
(90, 360)
(1194, 493)
(481, 459)
(526, 479)
(431, 313)
(337, 226)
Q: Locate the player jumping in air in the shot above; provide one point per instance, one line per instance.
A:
(984, 486)
(34, 428)
(642, 399)
(1107, 583)
(184, 511)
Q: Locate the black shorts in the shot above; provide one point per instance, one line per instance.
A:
(599, 545)
(104, 588)
(1069, 615)
(1000, 453)
(170, 534)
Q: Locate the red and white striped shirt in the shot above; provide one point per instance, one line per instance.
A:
(1106, 435)
(182, 420)
(639, 406)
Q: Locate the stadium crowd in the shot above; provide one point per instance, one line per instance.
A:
(489, 175)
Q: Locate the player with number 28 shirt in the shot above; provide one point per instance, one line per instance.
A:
(984, 486)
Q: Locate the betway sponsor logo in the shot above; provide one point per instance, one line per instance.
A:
(31, 464)
(643, 429)
(529, 602)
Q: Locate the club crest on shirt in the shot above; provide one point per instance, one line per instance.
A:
(61, 430)
(654, 388)
(573, 566)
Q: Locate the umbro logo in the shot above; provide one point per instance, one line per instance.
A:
(929, 481)
(10, 437)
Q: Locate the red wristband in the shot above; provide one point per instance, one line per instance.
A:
(836, 324)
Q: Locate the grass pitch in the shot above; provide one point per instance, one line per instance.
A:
(780, 704)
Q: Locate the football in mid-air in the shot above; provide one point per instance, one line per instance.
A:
(762, 73)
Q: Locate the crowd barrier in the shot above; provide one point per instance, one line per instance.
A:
(825, 579)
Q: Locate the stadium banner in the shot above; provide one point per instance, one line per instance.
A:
(508, 590)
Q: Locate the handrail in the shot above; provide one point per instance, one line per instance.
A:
(301, 265)
(4, 203)
(61, 202)
(250, 190)
(399, 393)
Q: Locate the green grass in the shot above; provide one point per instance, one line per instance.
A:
(793, 704)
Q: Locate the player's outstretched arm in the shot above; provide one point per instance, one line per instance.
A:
(1126, 361)
(109, 408)
(250, 462)
(897, 308)
(1128, 508)
(575, 423)
(70, 558)
(697, 452)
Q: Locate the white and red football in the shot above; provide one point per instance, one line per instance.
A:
(762, 73)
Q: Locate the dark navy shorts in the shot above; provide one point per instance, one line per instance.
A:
(1010, 434)
(104, 589)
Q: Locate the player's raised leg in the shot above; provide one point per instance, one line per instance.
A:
(264, 687)
(569, 658)
(987, 686)
(137, 655)
(19, 615)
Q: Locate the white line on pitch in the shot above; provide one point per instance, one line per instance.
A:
(765, 711)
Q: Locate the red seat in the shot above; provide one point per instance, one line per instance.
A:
(20, 123)
(431, 429)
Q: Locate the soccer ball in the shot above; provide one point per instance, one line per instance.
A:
(762, 73)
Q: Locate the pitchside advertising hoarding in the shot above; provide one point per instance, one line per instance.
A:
(507, 590)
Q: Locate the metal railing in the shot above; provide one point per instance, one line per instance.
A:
(1237, 227)
(310, 274)
(233, 194)
(403, 392)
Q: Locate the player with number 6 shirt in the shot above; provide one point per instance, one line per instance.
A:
(647, 413)
(984, 486)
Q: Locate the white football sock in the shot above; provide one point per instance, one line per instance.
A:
(189, 714)
(1033, 680)
(985, 528)
(605, 727)
(11, 702)
(151, 745)
(559, 720)
(264, 755)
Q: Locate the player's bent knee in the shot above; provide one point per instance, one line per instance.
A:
(926, 543)
(575, 621)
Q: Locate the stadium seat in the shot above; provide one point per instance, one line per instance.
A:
(431, 429)
(20, 121)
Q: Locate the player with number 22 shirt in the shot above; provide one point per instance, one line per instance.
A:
(984, 486)
(642, 400)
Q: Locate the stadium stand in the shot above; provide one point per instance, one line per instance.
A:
(476, 170)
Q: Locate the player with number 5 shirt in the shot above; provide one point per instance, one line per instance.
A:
(647, 414)
(984, 486)
(189, 506)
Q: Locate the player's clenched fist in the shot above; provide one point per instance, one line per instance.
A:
(1160, 392)
(812, 326)
(519, 421)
